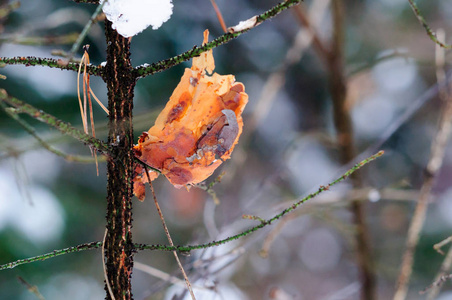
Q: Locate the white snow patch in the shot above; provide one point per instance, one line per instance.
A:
(130, 17)
(244, 25)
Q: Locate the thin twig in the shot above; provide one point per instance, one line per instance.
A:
(430, 33)
(139, 120)
(84, 32)
(219, 16)
(271, 237)
(82, 247)
(441, 244)
(209, 188)
(306, 22)
(443, 270)
(304, 38)
(39, 40)
(65, 128)
(402, 118)
(162, 275)
(31, 288)
(376, 60)
(87, 1)
(160, 66)
(158, 273)
(434, 165)
(32, 132)
(51, 63)
(437, 283)
(104, 267)
(170, 240)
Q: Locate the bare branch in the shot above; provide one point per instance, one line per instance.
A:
(170, 240)
(434, 165)
(84, 32)
(31, 288)
(345, 140)
(437, 283)
(40, 40)
(444, 269)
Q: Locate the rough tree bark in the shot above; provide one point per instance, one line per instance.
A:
(118, 243)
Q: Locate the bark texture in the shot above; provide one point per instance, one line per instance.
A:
(118, 243)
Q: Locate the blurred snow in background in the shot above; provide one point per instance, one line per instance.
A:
(32, 209)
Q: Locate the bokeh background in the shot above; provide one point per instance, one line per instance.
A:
(287, 150)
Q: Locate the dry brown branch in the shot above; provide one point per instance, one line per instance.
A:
(434, 165)
(333, 58)
(307, 22)
(437, 283)
(219, 16)
(444, 269)
(33, 289)
(345, 141)
(273, 234)
(441, 244)
(170, 240)
(304, 38)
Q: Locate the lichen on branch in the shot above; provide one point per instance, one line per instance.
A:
(160, 66)
(19, 106)
(50, 62)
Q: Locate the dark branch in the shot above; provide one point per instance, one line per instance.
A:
(89, 246)
(197, 50)
(263, 223)
(50, 62)
(87, 1)
(66, 128)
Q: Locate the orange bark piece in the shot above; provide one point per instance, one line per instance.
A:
(196, 131)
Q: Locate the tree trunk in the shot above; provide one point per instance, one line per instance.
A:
(118, 243)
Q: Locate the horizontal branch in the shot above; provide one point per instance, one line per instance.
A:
(89, 246)
(66, 128)
(95, 245)
(32, 132)
(87, 1)
(40, 40)
(146, 70)
(50, 62)
(263, 223)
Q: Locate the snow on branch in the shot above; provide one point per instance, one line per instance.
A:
(130, 17)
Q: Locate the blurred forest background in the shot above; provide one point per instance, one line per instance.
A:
(287, 150)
